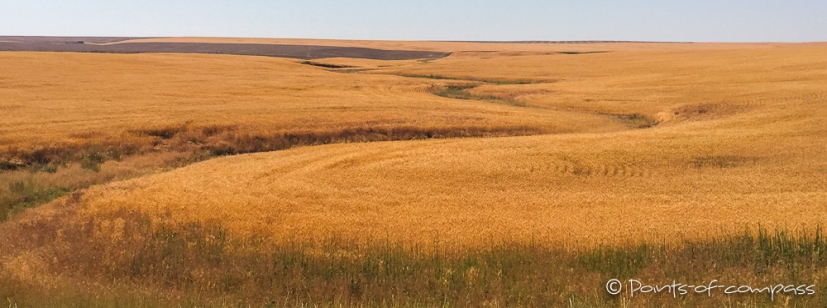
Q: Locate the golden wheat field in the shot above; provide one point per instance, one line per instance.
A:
(561, 145)
(734, 148)
(82, 98)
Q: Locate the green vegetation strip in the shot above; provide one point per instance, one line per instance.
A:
(461, 92)
(485, 80)
(22, 195)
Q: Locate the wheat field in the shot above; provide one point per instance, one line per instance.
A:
(568, 147)
(54, 99)
(734, 148)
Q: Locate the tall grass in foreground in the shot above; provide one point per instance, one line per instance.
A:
(128, 260)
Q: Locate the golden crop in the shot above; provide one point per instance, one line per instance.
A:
(740, 143)
(53, 99)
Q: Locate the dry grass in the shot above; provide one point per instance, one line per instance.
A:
(739, 143)
(130, 261)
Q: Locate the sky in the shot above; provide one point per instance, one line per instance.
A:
(484, 20)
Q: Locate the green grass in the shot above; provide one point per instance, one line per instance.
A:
(621, 263)
(461, 92)
(201, 265)
(27, 194)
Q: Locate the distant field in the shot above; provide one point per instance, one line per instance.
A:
(554, 151)
(465, 46)
(117, 45)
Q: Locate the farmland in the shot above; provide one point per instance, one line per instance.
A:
(485, 177)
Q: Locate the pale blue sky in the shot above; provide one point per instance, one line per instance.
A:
(640, 20)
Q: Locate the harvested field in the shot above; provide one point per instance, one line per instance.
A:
(115, 45)
(58, 40)
(475, 47)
